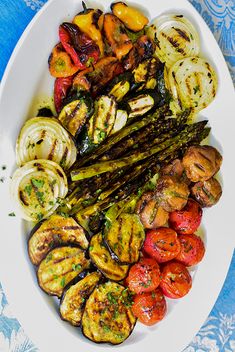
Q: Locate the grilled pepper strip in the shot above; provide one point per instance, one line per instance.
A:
(61, 87)
(60, 63)
(87, 21)
(116, 36)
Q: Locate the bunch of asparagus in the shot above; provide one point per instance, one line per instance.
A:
(127, 160)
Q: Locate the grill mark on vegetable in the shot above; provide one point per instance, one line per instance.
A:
(52, 151)
(59, 173)
(128, 321)
(39, 167)
(70, 117)
(188, 85)
(174, 43)
(119, 232)
(64, 156)
(22, 198)
(61, 228)
(182, 34)
(130, 243)
(43, 134)
(197, 77)
(204, 156)
(199, 166)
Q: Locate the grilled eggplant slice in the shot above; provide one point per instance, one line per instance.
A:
(60, 267)
(125, 238)
(107, 316)
(73, 300)
(141, 103)
(145, 74)
(75, 114)
(52, 232)
(102, 259)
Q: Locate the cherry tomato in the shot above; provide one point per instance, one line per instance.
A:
(144, 276)
(187, 220)
(162, 244)
(150, 307)
(176, 280)
(192, 249)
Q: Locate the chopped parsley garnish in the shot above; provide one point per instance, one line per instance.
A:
(76, 267)
(196, 89)
(89, 62)
(28, 190)
(106, 328)
(37, 183)
(146, 284)
(39, 216)
(112, 299)
(62, 282)
(40, 196)
(49, 257)
(91, 248)
(12, 214)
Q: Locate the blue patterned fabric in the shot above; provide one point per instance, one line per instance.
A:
(218, 332)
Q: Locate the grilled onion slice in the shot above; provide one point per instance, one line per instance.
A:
(192, 83)
(45, 138)
(37, 187)
(59, 268)
(175, 38)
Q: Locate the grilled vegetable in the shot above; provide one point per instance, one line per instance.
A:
(201, 162)
(78, 45)
(192, 83)
(36, 188)
(175, 38)
(102, 121)
(130, 16)
(207, 193)
(75, 114)
(120, 121)
(151, 214)
(172, 193)
(115, 33)
(87, 21)
(45, 138)
(145, 73)
(108, 316)
(73, 301)
(142, 49)
(120, 85)
(81, 82)
(52, 232)
(60, 267)
(192, 250)
(125, 238)
(102, 259)
(104, 71)
(60, 63)
(61, 87)
(141, 103)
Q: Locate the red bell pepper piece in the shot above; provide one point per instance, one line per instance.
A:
(61, 87)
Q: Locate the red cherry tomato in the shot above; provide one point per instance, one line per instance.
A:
(144, 276)
(192, 249)
(176, 280)
(187, 220)
(150, 307)
(162, 244)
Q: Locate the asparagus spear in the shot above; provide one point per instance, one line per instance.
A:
(188, 133)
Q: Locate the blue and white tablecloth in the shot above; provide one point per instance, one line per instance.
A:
(218, 332)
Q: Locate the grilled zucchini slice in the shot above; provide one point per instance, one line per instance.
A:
(120, 85)
(125, 238)
(75, 114)
(107, 316)
(52, 232)
(120, 121)
(60, 267)
(141, 103)
(73, 300)
(101, 123)
(102, 259)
